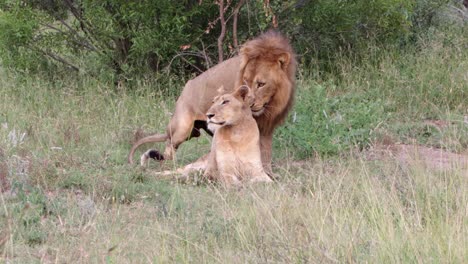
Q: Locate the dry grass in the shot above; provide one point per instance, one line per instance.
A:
(320, 211)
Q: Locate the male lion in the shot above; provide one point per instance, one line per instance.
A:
(266, 64)
(235, 150)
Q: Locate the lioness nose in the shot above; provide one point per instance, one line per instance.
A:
(209, 115)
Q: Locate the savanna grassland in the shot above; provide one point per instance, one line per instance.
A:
(344, 193)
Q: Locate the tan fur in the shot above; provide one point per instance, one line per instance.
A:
(266, 64)
(235, 155)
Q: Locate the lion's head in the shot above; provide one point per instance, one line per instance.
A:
(228, 109)
(268, 66)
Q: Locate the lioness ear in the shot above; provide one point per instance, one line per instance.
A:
(242, 92)
(221, 90)
(284, 59)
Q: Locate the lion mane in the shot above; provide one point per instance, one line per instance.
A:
(272, 48)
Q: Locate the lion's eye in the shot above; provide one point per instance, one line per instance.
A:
(260, 84)
(225, 102)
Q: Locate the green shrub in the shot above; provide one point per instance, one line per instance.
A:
(17, 29)
(107, 39)
(124, 40)
(328, 27)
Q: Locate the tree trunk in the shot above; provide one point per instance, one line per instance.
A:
(234, 24)
(223, 31)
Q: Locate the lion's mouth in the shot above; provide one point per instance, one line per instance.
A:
(259, 111)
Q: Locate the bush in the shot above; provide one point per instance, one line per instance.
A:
(124, 40)
(326, 27)
(323, 31)
(17, 29)
(95, 38)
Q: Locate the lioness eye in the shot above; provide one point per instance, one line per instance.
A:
(260, 84)
(225, 102)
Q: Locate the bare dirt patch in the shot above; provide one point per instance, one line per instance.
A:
(4, 183)
(432, 158)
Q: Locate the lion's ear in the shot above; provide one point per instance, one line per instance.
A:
(244, 58)
(245, 50)
(243, 62)
(221, 90)
(284, 60)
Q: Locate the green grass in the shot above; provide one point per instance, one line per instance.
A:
(72, 197)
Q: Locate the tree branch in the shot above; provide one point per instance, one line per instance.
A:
(75, 33)
(182, 54)
(56, 58)
(234, 24)
(85, 27)
(223, 31)
(71, 37)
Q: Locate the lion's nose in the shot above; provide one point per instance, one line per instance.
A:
(209, 115)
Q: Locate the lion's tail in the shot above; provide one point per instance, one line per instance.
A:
(148, 139)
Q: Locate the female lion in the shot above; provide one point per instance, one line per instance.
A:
(235, 155)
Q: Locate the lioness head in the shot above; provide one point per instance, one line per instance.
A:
(267, 67)
(228, 109)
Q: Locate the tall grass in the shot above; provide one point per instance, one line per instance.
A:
(71, 197)
(321, 212)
